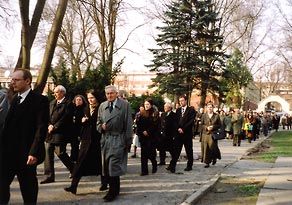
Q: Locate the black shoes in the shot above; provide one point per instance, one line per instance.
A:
(134, 156)
(171, 169)
(207, 165)
(47, 180)
(188, 169)
(103, 187)
(73, 190)
(144, 173)
(214, 161)
(109, 197)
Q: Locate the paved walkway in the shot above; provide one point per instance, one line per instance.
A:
(278, 186)
(154, 189)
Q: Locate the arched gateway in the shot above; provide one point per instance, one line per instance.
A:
(274, 98)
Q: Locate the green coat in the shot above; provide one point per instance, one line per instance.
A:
(237, 121)
(209, 147)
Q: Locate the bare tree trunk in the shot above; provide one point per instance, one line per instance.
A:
(24, 14)
(29, 32)
(203, 95)
(51, 45)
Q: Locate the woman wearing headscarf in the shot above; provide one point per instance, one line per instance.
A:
(209, 146)
(148, 129)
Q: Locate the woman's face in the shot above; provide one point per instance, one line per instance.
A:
(147, 105)
(78, 101)
(91, 99)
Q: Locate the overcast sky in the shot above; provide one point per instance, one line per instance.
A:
(136, 49)
(136, 53)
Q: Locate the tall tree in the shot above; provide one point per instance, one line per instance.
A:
(28, 31)
(238, 77)
(104, 14)
(51, 45)
(190, 54)
(210, 50)
(175, 61)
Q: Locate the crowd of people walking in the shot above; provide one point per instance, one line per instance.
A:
(101, 135)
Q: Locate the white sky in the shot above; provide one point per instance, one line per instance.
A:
(136, 53)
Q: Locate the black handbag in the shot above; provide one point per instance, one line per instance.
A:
(218, 134)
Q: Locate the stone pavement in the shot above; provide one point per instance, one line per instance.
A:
(278, 186)
(154, 189)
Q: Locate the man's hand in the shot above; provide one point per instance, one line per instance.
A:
(103, 126)
(50, 128)
(145, 133)
(31, 160)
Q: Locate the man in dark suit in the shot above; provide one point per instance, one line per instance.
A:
(168, 130)
(59, 131)
(185, 116)
(22, 143)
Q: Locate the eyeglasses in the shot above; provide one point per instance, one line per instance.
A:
(16, 80)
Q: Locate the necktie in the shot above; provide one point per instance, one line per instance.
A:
(111, 107)
(19, 100)
(182, 111)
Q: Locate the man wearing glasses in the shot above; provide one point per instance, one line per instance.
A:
(22, 141)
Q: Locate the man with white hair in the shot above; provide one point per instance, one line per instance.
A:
(59, 131)
(114, 122)
(168, 130)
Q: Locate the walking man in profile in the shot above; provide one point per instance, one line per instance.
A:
(22, 141)
(114, 122)
(59, 131)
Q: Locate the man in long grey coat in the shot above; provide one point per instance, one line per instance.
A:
(115, 124)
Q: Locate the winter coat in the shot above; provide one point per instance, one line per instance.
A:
(117, 137)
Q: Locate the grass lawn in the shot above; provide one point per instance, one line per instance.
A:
(280, 145)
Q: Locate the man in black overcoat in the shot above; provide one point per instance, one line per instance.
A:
(168, 131)
(22, 143)
(59, 132)
(185, 116)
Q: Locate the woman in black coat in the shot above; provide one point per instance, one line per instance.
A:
(89, 158)
(148, 129)
(80, 107)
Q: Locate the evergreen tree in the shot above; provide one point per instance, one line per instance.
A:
(212, 58)
(175, 60)
(189, 54)
(238, 77)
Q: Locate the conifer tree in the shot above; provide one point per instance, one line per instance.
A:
(189, 54)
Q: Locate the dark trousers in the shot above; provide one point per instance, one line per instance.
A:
(148, 151)
(162, 154)
(179, 142)
(60, 150)
(26, 176)
(76, 178)
(114, 184)
(74, 148)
